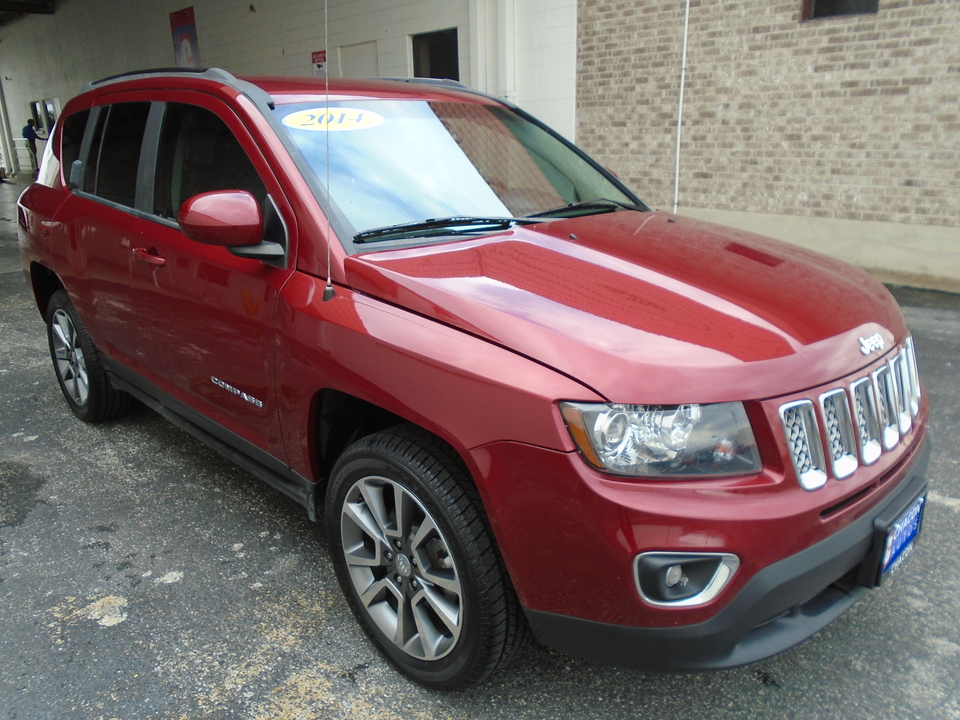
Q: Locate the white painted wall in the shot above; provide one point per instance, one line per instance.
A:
(359, 60)
(524, 50)
(280, 35)
(53, 56)
(545, 55)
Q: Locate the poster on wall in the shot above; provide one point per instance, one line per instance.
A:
(186, 48)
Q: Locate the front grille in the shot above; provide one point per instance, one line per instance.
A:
(860, 421)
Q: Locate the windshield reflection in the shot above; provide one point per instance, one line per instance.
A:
(405, 161)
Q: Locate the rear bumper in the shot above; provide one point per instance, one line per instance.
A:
(781, 606)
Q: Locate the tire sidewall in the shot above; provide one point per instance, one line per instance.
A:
(94, 408)
(456, 667)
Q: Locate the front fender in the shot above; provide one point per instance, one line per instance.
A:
(464, 389)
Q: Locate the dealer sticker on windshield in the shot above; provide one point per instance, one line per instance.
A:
(339, 118)
(900, 537)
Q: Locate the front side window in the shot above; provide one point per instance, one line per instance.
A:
(198, 153)
(406, 161)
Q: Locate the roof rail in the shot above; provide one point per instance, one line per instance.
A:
(442, 82)
(212, 73)
(450, 85)
(257, 95)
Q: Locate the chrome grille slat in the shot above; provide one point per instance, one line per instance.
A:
(914, 376)
(865, 413)
(901, 382)
(886, 391)
(800, 425)
(839, 430)
(860, 422)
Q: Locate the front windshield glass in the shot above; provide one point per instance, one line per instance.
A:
(407, 161)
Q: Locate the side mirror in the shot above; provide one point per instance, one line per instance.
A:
(229, 218)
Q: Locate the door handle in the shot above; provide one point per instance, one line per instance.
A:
(150, 257)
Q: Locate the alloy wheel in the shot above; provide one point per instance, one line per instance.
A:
(68, 355)
(402, 567)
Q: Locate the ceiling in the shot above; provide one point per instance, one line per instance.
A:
(11, 10)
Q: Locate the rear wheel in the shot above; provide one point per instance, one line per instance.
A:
(416, 561)
(77, 364)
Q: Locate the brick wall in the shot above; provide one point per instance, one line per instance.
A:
(854, 117)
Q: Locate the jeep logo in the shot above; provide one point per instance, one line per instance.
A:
(871, 344)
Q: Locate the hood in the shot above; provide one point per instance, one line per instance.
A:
(647, 307)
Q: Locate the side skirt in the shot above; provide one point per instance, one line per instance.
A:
(240, 451)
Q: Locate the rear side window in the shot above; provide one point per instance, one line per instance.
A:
(73, 127)
(199, 153)
(115, 153)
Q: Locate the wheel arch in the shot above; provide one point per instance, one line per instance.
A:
(44, 283)
(339, 419)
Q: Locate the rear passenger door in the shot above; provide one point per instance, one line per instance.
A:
(101, 217)
(206, 318)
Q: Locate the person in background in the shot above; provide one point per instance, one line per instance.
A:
(30, 135)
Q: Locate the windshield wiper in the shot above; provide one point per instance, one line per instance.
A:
(586, 207)
(445, 225)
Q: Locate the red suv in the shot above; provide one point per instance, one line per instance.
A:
(516, 397)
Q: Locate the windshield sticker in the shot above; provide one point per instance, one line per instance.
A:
(340, 118)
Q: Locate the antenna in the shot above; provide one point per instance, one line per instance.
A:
(328, 290)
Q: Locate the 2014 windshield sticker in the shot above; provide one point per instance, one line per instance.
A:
(340, 118)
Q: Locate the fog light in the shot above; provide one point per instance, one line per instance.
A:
(675, 575)
(683, 579)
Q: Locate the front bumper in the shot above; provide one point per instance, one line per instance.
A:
(781, 606)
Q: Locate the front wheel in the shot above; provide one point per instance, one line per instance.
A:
(416, 562)
(77, 364)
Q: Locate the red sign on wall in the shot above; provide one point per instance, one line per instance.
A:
(319, 60)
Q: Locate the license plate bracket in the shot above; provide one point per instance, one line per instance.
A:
(893, 540)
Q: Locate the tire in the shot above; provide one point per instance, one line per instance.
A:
(425, 582)
(78, 366)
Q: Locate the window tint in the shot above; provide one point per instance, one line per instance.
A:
(117, 154)
(90, 171)
(73, 127)
(198, 153)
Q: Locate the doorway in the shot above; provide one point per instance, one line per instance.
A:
(436, 55)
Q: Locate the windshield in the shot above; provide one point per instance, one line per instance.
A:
(396, 162)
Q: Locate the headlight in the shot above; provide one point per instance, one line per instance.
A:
(655, 440)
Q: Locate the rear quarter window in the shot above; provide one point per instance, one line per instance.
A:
(71, 138)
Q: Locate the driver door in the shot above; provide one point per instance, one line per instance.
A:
(207, 317)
